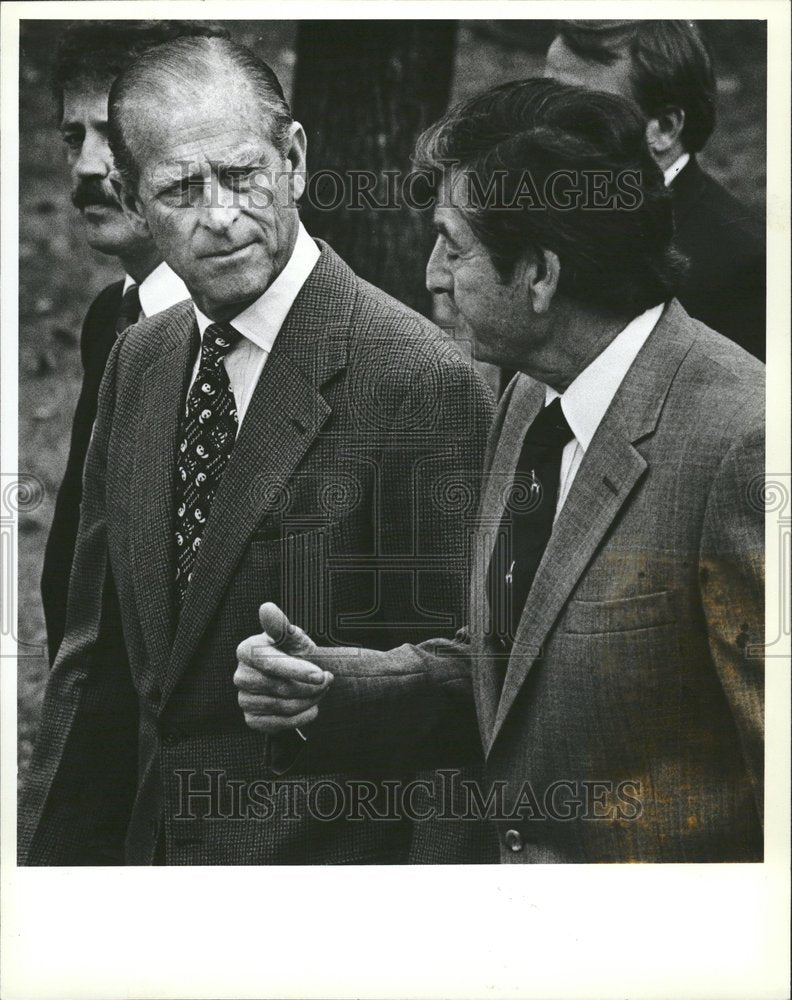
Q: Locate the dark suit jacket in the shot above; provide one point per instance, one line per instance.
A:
(96, 342)
(636, 676)
(725, 286)
(340, 501)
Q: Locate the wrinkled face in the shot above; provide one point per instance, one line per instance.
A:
(496, 318)
(216, 195)
(563, 65)
(84, 131)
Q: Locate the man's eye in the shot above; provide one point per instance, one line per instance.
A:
(236, 179)
(186, 192)
(72, 140)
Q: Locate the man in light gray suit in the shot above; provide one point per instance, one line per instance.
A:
(614, 644)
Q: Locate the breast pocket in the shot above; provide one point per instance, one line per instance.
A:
(645, 611)
(284, 543)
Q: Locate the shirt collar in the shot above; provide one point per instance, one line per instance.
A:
(160, 290)
(587, 399)
(261, 321)
(676, 168)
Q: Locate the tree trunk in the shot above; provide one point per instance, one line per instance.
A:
(364, 90)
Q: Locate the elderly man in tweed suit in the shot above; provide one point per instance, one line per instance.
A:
(614, 648)
(318, 435)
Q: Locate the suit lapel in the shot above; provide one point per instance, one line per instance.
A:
(526, 400)
(153, 488)
(610, 471)
(286, 413)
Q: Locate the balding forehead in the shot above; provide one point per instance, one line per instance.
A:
(198, 130)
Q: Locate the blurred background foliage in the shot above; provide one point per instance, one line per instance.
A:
(59, 275)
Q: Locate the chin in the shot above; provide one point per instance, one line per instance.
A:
(225, 303)
(112, 238)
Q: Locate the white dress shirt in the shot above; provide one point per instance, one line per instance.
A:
(260, 323)
(162, 289)
(676, 168)
(587, 399)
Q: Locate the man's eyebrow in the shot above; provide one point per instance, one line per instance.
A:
(255, 158)
(171, 181)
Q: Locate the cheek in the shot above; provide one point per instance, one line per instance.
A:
(169, 229)
(473, 296)
(267, 223)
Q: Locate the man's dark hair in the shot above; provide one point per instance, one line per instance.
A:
(190, 62)
(99, 51)
(670, 67)
(618, 259)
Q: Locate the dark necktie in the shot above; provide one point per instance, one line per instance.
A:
(208, 432)
(129, 312)
(527, 520)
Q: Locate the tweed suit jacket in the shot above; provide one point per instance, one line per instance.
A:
(338, 502)
(96, 341)
(630, 723)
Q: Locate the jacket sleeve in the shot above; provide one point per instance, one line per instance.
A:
(389, 712)
(82, 777)
(731, 572)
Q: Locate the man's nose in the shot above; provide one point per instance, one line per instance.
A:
(438, 277)
(94, 159)
(220, 208)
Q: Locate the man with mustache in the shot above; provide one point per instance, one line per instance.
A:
(291, 420)
(90, 56)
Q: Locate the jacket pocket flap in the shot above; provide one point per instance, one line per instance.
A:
(643, 611)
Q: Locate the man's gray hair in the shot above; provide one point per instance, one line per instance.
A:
(189, 63)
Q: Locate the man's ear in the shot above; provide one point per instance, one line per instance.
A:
(664, 135)
(132, 206)
(296, 152)
(543, 275)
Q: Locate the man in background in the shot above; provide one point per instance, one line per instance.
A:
(666, 67)
(91, 55)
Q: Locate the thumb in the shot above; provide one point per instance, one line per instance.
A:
(284, 635)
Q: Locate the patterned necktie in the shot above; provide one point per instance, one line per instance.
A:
(208, 432)
(527, 520)
(129, 312)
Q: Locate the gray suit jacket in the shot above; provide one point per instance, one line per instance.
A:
(338, 502)
(630, 723)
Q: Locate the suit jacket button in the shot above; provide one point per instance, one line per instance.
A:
(513, 840)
